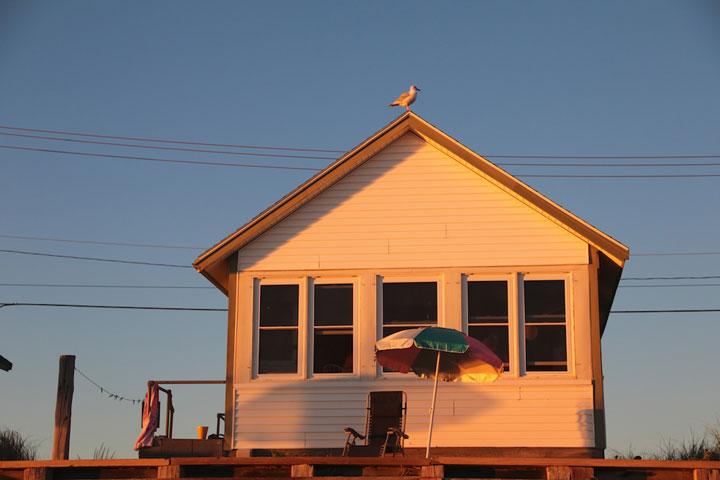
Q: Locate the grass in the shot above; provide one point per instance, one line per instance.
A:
(706, 447)
(103, 453)
(14, 447)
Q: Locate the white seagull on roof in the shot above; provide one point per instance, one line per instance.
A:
(406, 99)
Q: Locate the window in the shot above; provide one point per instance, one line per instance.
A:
(488, 316)
(545, 326)
(333, 328)
(408, 305)
(278, 329)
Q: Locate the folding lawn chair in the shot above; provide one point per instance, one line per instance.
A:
(384, 427)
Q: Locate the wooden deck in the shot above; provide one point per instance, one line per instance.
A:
(339, 468)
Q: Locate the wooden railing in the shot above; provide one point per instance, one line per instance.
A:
(297, 468)
(169, 409)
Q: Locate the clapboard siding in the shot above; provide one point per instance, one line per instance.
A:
(314, 414)
(412, 206)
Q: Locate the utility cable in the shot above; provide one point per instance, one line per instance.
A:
(181, 142)
(165, 160)
(177, 149)
(230, 145)
(78, 285)
(20, 252)
(191, 309)
(121, 307)
(283, 167)
(704, 277)
(91, 242)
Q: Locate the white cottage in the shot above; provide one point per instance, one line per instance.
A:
(408, 229)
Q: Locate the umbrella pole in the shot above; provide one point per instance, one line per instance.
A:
(432, 407)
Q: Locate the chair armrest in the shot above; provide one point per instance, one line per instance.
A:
(354, 433)
(398, 432)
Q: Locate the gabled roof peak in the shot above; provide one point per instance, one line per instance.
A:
(212, 263)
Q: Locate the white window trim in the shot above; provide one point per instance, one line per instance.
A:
(438, 279)
(310, 335)
(302, 328)
(513, 347)
(569, 323)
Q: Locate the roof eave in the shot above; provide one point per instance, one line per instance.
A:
(408, 121)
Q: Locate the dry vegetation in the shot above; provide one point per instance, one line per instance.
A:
(14, 447)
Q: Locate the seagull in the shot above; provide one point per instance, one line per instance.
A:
(406, 99)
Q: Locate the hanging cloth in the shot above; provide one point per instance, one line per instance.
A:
(150, 417)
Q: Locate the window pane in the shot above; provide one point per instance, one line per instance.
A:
(544, 301)
(333, 346)
(333, 304)
(495, 338)
(487, 302)
(333, 350)
(279, 305)
(410, 303)
(546, 349)
(278, 351)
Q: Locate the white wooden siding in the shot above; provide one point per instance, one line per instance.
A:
(314, 414)
(412, 206)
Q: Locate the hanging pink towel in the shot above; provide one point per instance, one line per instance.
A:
(150, 417)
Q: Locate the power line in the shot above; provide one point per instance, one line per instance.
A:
(122, 307)
(673, 254)
(78, 285)
(702, 175)
(133, 262)
(523, 164)
(191, 309)
(695, 310)
(672, 285)
(154, 140)
(311, 169)
(230, 145)
(20, 252)
(165, 160)
(181, 287)
(177, 149)
(704, 277)
(91, 242)
(603, 157)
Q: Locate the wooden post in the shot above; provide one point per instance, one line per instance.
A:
(302, 470)
(37, 473)
(705, 474)
(169, 471)
(63, 408)
(559, 472)
(432, 471)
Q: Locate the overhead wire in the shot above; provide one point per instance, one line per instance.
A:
(180, 287)
(165, 160)
(197, 309)
(312, 169)
(231, 145)
(96, 259)
(85, 285)
(91, 242)
(180, 142)
(155, 147)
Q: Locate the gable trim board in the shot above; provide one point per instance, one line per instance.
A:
(213, 263)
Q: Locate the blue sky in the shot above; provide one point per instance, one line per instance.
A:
(504, 78)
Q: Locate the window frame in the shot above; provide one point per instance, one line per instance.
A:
(567, 278)
(381, 280)
(512, 325)
(310, 346)
(302, 284)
